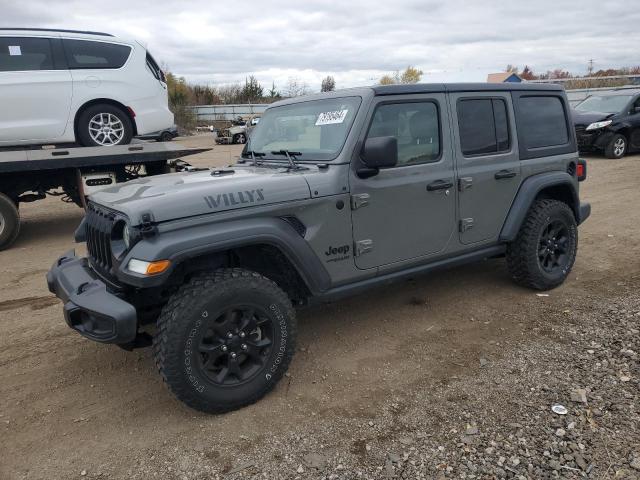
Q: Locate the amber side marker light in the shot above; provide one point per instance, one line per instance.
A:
(148, 268)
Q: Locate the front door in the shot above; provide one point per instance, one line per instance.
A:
(35, 93)
(634, 121)
(407, 211)
(487, 162)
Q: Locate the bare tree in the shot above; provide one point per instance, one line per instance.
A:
(295, 88)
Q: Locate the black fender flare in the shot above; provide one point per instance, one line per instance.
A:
(528, 192)
(185, 243)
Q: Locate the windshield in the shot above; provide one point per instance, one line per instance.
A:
(316, 129)
(604, 104)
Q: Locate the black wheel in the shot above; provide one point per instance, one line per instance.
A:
(104, 125)
(165, 137)
(9, 221)
(544, 251)
(240, 138)
(225, 339)
(617, 147)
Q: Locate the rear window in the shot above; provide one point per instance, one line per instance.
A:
(24, 54)
(483, 126)
(542, 121)
(82, 54)
(155, 68)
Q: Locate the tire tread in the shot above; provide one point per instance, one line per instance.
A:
(169, 328)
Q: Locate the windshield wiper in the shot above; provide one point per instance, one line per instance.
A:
(254, 156)
(289, 155)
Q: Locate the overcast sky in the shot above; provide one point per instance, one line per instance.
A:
(219, 42)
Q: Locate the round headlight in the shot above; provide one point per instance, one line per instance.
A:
(126, 236)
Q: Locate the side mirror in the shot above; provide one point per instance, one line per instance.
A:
(380, 152)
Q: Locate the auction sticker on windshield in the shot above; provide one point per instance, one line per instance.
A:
(328, 118)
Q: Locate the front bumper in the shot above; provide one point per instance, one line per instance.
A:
(594, 140)
(224, 140)
(89, 308)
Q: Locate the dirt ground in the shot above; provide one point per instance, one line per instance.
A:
(445, 376)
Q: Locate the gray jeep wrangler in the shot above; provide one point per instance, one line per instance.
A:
(334, 194)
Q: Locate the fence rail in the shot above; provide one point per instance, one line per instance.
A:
(212, 113)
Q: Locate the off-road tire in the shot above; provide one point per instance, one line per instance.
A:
(9, 221)
(239, 139)
(83, 135)
(183, 320)
(613, 150)
(523, 253)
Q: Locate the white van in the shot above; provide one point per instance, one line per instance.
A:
(62, 86)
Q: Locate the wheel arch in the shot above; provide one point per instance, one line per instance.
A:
(100, 101)
(270, 246)
(552, 185)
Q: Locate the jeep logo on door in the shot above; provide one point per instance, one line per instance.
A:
(235, 198)
(338, 253)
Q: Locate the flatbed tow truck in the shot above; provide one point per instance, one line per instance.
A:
(29, 175)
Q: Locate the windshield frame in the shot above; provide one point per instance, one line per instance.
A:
(270, 158)
(621, 110)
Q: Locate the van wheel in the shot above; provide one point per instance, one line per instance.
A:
(225, 339)
(617, 147)
(104, 125)
(9, 221)
(544, 250)
(165, 137)
(240, 138)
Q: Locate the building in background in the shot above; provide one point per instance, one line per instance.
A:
(504, 77)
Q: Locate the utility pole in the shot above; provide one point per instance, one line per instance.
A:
(590, 68)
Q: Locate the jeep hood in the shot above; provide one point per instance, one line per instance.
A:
(180, 195)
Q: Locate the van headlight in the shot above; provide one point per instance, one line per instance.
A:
(597, 125)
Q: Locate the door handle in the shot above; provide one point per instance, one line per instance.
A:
(505, 174)
(439, 185)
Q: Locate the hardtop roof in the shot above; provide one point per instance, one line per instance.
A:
(416, 88)
(462, 87)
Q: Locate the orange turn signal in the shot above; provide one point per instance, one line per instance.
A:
(160, 266)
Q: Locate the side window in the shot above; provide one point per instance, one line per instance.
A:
(83, 54)
(416, 126)
(483, 126)
(542, 122)
(24, 54)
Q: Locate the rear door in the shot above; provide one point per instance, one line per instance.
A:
(487, 162)
(97, 69)
(35, 89)
(408, 211)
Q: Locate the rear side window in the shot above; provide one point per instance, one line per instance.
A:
(24, 54)
(155, 68)
(542, 122)
(83, 54)
(483, 126)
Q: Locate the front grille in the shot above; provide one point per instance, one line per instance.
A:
(98, 224)
(584, 138)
